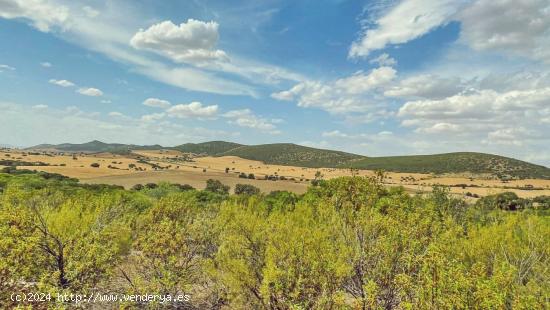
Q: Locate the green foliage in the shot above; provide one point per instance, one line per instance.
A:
(246, 189)
(207, 148)
(96, 147)
(347, 243)
(462, 162)
(504, 201)
(291, 154)
(217, 187)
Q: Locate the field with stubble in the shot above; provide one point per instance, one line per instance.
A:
(154, 166)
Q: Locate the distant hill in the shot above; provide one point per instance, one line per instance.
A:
(293, 155)
(297, 155)
(95, 147)
(461, 162)
(211, 148)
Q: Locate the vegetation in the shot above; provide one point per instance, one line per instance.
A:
(246, 189)
(292, 154)
(207, 148)
(96, 147)
(347, 243)
(296, 155)
(476, 163)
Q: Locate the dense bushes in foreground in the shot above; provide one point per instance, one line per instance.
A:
(348, 243)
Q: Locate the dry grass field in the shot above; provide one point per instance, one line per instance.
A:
(176, 167)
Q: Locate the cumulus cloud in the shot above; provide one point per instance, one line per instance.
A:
(360, 83)
(246, 118)
(90, 91)
(384, 60)
(426, 86)
(152, 117)
(513, 117)
(156, 103)
(193, 110)
(507, 26)
(346, 95)
(62, 83)
(191, 42)
(42, 14)
(46, 64)
(518, 27)
(406, 21)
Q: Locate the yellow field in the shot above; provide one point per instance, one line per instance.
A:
(183, 169)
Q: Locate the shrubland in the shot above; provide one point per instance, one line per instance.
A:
(347, 243)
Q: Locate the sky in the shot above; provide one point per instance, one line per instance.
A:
(370, 77)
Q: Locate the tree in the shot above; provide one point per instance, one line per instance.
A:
(94, 165)
(246, 189)
(215, 186)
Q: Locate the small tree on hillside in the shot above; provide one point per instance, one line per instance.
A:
(246, 189)
(215, 186)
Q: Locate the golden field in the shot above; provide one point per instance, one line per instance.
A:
(185, 169)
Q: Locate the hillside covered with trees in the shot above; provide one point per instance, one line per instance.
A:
(348, 243)
(296, 155)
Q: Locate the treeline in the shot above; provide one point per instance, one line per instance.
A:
(347, 243)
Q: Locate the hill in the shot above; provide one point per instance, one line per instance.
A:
(293, 155)
(95, 147)
(461, 162)
(297, 155)
(211, 148)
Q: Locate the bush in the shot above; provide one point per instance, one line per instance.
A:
(508, 201)
(151, 185)
(137, 187)
(243, 175)
(251, 176)
(246, 189)
(215, 186)
(184, 187)
(94, 165)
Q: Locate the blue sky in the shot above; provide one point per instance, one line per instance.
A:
(370, 77)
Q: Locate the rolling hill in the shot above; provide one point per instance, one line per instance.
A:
(95, 147)
(297, 155)
(211, 148)
(292, 155)
(461, 162)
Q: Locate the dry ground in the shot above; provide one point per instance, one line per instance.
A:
(179, 168)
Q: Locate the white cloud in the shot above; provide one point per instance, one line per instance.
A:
(426, 86)
(193, 110)
(505, 26)
(40, 107)
(109, 32)
(42, 14)
(90, 12)
(116, 114)
(90, 91)
(384, 60)
(347, 95)
(62, 83)
(517, 27)
(191, 42)
(246, 118)
(6, 67)
(46, 64)
(156, 103)
(360, 83)
(152, 117)
(106, 101)
(406, 21)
